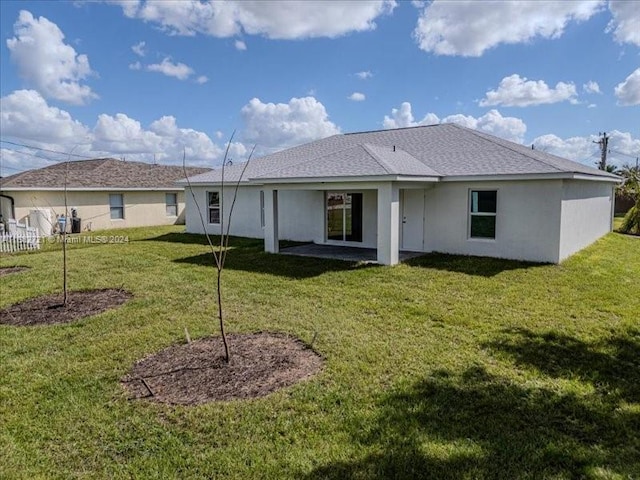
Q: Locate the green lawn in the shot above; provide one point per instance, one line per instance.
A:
(446, 367)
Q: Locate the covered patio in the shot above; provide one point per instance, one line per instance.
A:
(339, 252)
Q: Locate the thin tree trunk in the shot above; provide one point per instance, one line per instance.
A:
(64, 267)
(220, 318)
(64, 237)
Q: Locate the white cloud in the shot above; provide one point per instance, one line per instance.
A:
(591, 87)
(163, 141)
(516, 91)
(121, 134)
(202, 79)
(469, 28)
(583, 149)
(276, 19)
(135, 66)
(25, 114)
(403, 117)
(281, 125)
(628, 91)
(364, 74)
(47, 63)
(240, 45)
(592, 105)
(509, 128)
(625, 23)
(139, 49)
(170, 69)
(357, 97)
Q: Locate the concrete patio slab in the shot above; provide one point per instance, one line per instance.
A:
(337, 252)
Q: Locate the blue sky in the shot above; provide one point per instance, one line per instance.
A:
(144, 80)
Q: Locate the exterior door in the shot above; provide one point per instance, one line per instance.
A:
(412, 227)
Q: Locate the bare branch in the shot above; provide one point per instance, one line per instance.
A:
(224, 162)
(195, 201)
(233, 203)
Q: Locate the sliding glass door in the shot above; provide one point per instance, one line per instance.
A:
(344, 216)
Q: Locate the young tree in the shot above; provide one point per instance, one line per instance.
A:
(219, 251)
(64, 237)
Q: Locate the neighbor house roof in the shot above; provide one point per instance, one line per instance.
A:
(445, 152)
(100, 174)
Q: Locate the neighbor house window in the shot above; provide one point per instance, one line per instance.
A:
(214, 206)
(483, 214)
(171, 199)
(116, 205)
(262, 218)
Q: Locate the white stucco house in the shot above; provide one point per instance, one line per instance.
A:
(440, 188)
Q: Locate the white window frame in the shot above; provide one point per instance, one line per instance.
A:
(472, 214)
(211, 208)
(116, 207)
(173, 204)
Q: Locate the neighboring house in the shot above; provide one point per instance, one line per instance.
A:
(440, 188)
(105, 193)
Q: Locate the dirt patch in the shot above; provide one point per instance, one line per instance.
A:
(48, 309)
(196, 373)
(8, 270)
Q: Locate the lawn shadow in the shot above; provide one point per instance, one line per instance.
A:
(198, 239)
(612, 366)
(469, 265)
(476, 425)
(257, 261)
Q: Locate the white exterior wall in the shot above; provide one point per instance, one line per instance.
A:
(527, 220)
(301, 215)
(587, 209)
(246, 212)
(141, 208)
(300, 212)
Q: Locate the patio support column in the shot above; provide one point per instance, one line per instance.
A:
(271, 240)
(388, 224)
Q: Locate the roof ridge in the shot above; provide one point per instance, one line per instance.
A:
(379, 160)
(264, 174)
(390, 169)
(392, 129)
(491, 140)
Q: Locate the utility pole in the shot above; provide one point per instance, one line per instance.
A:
(604, 147)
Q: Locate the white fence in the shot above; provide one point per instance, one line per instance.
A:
(18, 238)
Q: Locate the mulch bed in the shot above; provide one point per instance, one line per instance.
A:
(8, 270)
(196, 373)
(48, 309)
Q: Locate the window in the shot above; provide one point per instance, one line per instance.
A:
(262, 219)
(483, 214)
(344, 216)
(171, 199)
(214, 206)
(116, 205)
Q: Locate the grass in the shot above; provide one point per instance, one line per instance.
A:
(445, 367)
(617, 221)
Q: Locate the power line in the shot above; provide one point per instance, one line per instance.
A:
(622, 153)
(22, 152)
(44, 149)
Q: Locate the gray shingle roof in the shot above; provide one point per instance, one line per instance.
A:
(100, 173)
(445, 150)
